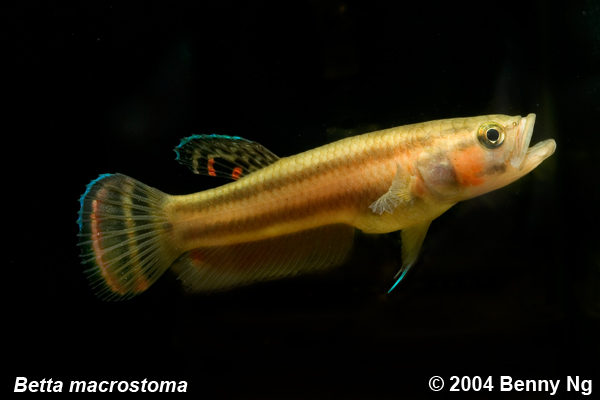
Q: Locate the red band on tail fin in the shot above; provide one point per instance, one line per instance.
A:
(125, 236)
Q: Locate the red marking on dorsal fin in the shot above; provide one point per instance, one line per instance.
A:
(211, 168)
(237, 172)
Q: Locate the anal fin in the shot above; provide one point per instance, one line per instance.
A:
(207, 269)
(412, 240)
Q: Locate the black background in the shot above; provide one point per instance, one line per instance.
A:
(508, 283)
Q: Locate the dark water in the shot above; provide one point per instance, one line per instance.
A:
(508, 283)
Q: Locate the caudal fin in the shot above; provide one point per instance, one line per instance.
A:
(124, 235)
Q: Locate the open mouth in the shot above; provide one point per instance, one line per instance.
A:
(525, 157)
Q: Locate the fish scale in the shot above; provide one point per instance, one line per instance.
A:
(284, 216)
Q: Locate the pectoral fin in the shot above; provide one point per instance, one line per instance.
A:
(399, 193)
(412, 239)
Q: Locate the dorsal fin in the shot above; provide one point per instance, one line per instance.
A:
(224, 156)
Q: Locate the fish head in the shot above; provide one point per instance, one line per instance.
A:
(482, 154)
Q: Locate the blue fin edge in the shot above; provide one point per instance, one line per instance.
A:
(188, 139)
(398, 281)
(83, 196)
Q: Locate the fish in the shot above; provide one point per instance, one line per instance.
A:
(279, 217)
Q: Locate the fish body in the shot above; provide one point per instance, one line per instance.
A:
(282, 216)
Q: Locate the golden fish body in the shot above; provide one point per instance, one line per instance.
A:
(284, 216)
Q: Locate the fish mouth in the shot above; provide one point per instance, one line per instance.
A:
(525, 157)
(522, 141)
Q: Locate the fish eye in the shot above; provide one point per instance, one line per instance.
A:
(490, 135)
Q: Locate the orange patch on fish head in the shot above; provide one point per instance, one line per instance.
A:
(469, 166)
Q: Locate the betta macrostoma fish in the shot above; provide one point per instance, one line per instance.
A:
(283, 216)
